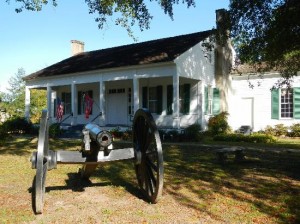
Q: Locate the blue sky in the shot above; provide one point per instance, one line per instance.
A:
(34, 40)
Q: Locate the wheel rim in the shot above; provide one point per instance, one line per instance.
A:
(147, 144)
(41, 163)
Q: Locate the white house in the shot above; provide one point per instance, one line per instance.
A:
(259, 106)
(178, 79)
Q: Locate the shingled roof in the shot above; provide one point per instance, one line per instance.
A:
(149, 52)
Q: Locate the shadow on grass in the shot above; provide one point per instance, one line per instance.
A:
(19, 145)
(267, 180)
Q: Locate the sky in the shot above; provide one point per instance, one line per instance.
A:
(35, 40)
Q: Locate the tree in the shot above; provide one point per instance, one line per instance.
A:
(13, 102)
(266, 33)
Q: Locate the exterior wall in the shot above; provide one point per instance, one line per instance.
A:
(194, 67)
(197, 63)
(261, 98)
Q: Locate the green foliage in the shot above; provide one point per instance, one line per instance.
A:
(253, 138)
(277, 130)
(295, 130)
(218, 124)
(192, 133)
(18, 125)
(38, 101)
(54, 130)
(13, 102)
(259, 28)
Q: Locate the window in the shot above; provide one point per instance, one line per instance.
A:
(66, 99)
(285, 103)
(152, 99)
(211, 101)
(81, 101)
(184, 98)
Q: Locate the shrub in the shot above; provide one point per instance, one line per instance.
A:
(218, 124)
(18, 125)
(295, 130)
(54, 130)
(192, 132)
(254, 138)
(127, 135)
(281, 130)
(277, 130)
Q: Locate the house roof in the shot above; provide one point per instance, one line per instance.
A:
(149, 52)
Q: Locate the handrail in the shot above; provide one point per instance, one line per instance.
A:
(100, 114)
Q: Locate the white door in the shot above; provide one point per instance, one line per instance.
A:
(247, 111)
(116, 105)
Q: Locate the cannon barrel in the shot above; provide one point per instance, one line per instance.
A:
(102, 137)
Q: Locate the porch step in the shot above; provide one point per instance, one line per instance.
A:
(69, 131)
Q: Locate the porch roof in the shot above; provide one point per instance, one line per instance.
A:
(149, 52)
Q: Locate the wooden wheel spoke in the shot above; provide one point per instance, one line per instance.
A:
(151, 164)
(150, 170)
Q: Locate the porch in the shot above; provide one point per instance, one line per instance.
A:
(175, 102)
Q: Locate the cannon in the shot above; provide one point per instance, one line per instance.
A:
(146, 154)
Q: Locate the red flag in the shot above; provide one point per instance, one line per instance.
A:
(59, 110)
(88, 101)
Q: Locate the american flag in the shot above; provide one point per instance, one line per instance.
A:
(59, 109)
(88, 101)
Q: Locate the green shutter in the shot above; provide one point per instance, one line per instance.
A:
(205, 100)
(216, 101)
(169, 99)
(145, 97)
(186, 99)
(275, 104)
(159, 90)
(296, 102)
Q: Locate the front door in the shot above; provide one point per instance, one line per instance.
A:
(116, 105)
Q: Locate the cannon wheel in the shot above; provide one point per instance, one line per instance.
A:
(148, 155)
(41, 164)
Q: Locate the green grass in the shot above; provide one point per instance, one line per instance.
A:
(263, 189)
(291, 143)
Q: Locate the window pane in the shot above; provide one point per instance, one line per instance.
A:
(286, 103)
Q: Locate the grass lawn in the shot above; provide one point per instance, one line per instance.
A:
(265, 188)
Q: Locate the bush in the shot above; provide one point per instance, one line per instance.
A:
(254, 138)
(127, 135)
(218, 124)
(295, 130)
(54, 130)
(192, 133)
(277, 130)
(18, 125)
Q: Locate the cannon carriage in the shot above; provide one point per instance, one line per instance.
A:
(97, 147)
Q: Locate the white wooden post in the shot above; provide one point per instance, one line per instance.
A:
(136, 101)
(27, 103)
(102, 103)
(74, 103)
(176, 123)
(49, 102)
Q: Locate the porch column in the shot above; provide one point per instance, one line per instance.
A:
(74, 103)
(27, 103)
(136, 87)
(49, 102)
(176, 123)
(102, 103)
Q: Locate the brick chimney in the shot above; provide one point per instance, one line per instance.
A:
(77, 47)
